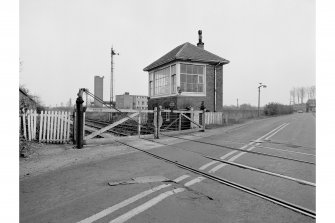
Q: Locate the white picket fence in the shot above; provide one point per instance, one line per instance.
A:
(52, 126)
(214, 118)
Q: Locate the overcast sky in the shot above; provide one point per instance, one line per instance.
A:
(65, 43)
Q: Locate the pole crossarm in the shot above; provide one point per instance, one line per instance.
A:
(104, 129)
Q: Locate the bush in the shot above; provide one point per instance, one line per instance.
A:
(277, 109)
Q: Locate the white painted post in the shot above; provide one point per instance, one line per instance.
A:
(33, 124)
(179, 125)
(55, 126)
(41, 126)
(192, 117)
(203, 120)
(46, 129)
(44, 126)
(59, 120)
(67, 118)
(61, 126)
(29, 122)
(36, 116)
(40, 131)
(65, 127)
(49, 125)
(61, 137)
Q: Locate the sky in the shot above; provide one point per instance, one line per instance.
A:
(65, 43)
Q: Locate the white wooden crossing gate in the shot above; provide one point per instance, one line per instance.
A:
(182, 120)
(47, 127)
(121, 122)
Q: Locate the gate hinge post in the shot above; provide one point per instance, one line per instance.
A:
(80, 119)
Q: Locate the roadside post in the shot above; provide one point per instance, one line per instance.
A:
(203, 108)
(80, 120)
(155, 123)
(158, 120)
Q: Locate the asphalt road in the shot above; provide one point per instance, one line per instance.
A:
(81, 193)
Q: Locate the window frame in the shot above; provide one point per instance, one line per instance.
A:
(177, 84)
(203, 93)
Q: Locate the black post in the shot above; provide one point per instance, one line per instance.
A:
(259, 98)
(79, 119)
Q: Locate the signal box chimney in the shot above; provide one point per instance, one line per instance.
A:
(200, 44)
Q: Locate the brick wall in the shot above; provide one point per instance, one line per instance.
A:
(183, 102)
(209, 103)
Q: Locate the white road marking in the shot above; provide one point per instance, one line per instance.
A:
(268, 135)
(207, 165)
(217, 168)
(276, 131)
(196, 180)
(228, 154)
(181, 178)
(233, 152)
(146, 206)
(240, 154)
(128, 201)
(122, 204)
(223, 157)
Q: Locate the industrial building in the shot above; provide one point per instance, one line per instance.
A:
(185, 77)
(127, 101)
(98, 90)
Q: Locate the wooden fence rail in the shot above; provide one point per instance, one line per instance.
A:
(51, 126)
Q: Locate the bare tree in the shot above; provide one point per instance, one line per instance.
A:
(292, 95)
(302, 91)
(297, 93)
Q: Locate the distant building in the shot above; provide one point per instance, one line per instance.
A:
(185, 77)
(311, 105)
(98, 90)
(127, 101)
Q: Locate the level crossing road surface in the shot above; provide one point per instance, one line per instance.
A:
(81, 193)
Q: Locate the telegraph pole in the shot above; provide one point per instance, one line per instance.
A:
(112, 76)
(259, 95)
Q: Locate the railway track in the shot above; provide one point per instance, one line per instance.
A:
(133, 131)
(283, 203)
